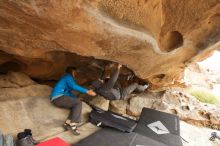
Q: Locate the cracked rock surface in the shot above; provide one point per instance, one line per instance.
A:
(154, 38)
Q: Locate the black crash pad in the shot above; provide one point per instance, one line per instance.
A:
(160, 126)
(112, 137)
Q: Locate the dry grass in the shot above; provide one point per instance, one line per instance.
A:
(204, 95)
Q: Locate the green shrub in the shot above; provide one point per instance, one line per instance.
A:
(204, 96)
(217, 80)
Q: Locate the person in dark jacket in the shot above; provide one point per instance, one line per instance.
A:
(63, 97)
(108, 90)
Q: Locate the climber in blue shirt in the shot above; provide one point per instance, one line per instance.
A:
(63, 97)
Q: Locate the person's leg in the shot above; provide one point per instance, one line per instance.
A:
(75, 114)
(74, 117)
(116, 93)
(74, 104)
(128, 90)
(142, 88)
(114, 77)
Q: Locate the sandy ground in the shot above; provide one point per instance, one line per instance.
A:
(197, 136)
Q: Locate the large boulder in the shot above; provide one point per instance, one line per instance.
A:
(136, 103)
(189, 109)
(27, 105)
(153, 37)
(15, 79)
(119, 106)
(16, 85)
(176, 101)
(28, 91)
(100, 102)
(36, 113)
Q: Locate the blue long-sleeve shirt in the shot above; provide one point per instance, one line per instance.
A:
(64, 87)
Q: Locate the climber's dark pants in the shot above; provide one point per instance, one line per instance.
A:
(129, 89)
(119, 93)
(74, 104)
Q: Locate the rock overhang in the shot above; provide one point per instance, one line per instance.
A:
(153, 38)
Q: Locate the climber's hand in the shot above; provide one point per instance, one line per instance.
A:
(119, 66)
(91, 93)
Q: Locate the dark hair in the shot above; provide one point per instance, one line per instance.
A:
(70, 69)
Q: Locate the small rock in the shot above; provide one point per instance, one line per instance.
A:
(100, 102)
(119, 106)
(137, 103)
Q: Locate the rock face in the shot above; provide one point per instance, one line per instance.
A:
(140, 101)
(15, 80)
(17, 85)
(174, 101)
(100, 102)
(154, 38)
(25, 104)
(119, 106)
(187, 107)
(191, 110)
